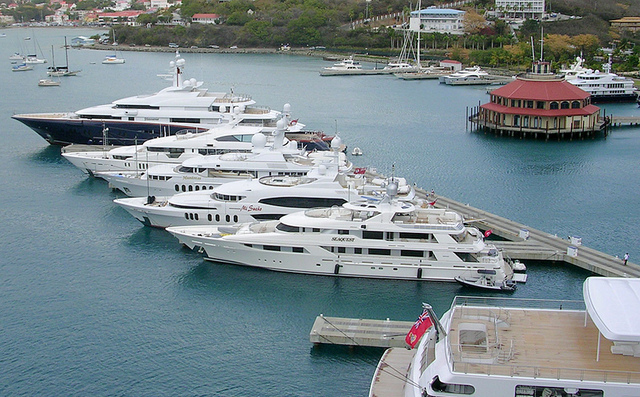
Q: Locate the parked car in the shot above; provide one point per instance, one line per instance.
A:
(173, 45)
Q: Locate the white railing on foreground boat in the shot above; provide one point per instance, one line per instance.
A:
(498, 312)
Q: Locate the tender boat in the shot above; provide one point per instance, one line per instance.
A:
(21, 68)
(509, 347)
(386, 239)
(356, 151)
(485, 279)
(266, 198)
(606, 86)
(48, 83)
(113, 60)
(185, 105)
(16, 57)
(207, 172)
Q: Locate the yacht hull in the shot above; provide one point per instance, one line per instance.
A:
(60, 130)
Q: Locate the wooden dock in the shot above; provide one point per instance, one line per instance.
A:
(524, 242)
(359, 332)
(620, 121)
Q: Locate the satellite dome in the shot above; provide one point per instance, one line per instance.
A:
(258, 141)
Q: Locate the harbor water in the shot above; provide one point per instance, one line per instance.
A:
(94, 303)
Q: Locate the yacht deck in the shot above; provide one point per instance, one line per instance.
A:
(535, 343)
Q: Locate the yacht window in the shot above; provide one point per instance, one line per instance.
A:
(191, 188)
(196, 216)
(186, 216)
(412, 253)
(297, 249)
(184, 120)
(186, 170)
(341, 250)
(315, 230)
(340, 231)
(303, 202)
(357, 250)
(271, 247)
(415, 236)
(235, 218)
(379, 251)
(217, 217)
(209, 217)
(227, 218)
(372, 235)
(177, 188)
(527, 390)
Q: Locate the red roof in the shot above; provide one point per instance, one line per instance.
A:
(585, 111)
(128, 13)
(205, 16)
(450, 61)
(541, 90)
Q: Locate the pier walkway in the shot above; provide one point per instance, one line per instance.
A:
(359, 332)
(618, 121)
(524, 242)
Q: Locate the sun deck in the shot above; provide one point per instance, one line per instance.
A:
(556, 343)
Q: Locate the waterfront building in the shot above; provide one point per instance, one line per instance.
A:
(539, 104)
(524, 9)
(437, 20)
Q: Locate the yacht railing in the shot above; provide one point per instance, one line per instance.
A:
(493, 361)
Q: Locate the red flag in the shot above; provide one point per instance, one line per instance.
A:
(488, 233)
(359, 171)
(421, 326)
(431, 204)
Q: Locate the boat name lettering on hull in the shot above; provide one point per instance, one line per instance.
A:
(347, 239)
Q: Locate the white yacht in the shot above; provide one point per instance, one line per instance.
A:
(207, 172)
(502, 347)
(172, 149)
(185, 105)
(467, 74)
(605, 86)
(346, 66)
(112, 60)
(267, 198)
(385, 239)
(33, 59)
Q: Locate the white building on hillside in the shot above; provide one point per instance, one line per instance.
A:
(437, 20)
(523, 9)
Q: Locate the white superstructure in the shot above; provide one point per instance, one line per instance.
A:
(207, 172)
(172, 149)
(385, 239)
(267, 198)
(605, 86)
(466, 74)
(527, 348)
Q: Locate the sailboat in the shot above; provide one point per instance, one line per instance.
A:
(33, 58)
(59, 71)
(113, 59)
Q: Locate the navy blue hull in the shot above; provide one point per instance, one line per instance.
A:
(93, 132)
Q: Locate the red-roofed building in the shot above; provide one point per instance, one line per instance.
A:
(540, 104)
(451, 64)
(205, 18)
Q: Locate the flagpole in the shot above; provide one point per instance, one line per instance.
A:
(439, 328)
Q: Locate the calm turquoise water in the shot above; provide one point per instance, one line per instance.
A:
(92, 303)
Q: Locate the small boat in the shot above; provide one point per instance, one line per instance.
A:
(48, 83)
(34, 59)
(356, 151)
(485, 279)
(112, 60)
(16, 57)
(23, 67)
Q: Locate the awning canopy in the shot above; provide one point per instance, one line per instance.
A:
(614, 306)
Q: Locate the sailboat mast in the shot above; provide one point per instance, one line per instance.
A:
(419, 28)
(66, 55)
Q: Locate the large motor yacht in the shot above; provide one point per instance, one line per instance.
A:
(185, 105)
(605, 86)
(387, 239)
(267, 198)
(207, 172)
(173, 149)
(507, 347)
(467, 74)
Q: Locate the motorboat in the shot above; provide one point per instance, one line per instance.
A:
(16, 57)
(506, 347)
(386, 239)
(33, 59)
(23, 67)
(606, 86)
(400, 67)
(48, 83)
(207, 172)
(266, 198)
(185, 105)
(484, 279)
(356, 151)
(345, 67)
(473, 73)
(113, 60)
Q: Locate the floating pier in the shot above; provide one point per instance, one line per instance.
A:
(359, 332)
(524, 242)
